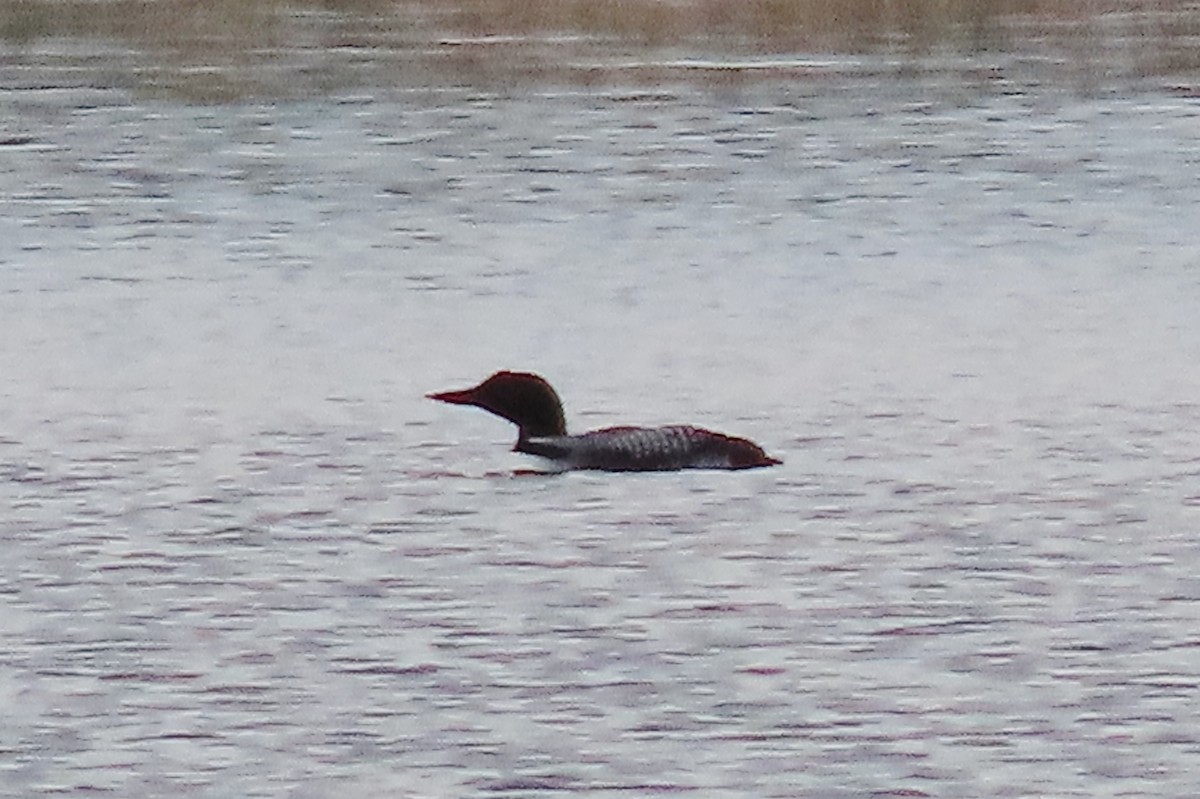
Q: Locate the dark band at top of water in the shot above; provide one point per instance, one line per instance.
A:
(228, 49)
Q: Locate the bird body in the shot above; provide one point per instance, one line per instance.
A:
(530, 402)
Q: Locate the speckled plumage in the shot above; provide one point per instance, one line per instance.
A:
(630, 449)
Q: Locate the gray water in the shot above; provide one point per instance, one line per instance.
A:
(244, 556)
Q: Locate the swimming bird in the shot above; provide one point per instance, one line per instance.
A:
(532, 404)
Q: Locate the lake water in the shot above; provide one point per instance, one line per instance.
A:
(244, 556)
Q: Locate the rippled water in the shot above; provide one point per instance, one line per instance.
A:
(245, 557)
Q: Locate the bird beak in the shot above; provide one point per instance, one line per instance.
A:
(464, 397)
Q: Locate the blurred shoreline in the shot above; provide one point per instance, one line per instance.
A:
(227, 50)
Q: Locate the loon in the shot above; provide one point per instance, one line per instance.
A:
(531, 403)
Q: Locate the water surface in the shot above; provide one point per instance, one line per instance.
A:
(245, 556)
